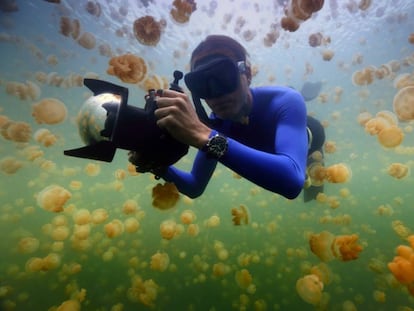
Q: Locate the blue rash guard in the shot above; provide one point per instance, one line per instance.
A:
(270, 151)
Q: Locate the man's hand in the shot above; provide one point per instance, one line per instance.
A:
(176, 114)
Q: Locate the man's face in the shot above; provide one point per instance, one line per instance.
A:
(230, 106)
(222, 83)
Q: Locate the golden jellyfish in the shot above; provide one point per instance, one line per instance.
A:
(220, 269)
(23, 91)
(271, 38)
(154, 82)
(51, 261)
(187, 217)
(128, 67)
(379, 296)
(317, 173)
(60, 233)
(402, 266)
(398, 170)
(400, 229)
(213, 221)
(82, 217)
(4, 120)
(105, 50)
(114, 228)
(182, 10)
(243, 278)
(391, 136)
(327, 55)
(130, 207)
(320, 245)
(131, 225)
(327, 246)
(147, 30)
(240, 215)
(329, 146)
(388, 117)
(69, 305)
(60, 220)
(34, 264)
(290, 24)
(49, 111)
(75, 185)
(160, 261)
(144, 291)
(375, 125)
(411, 38)
(165, 196)
(65, 26)
(298, 11)
(403, 80)
(346, 247)
(323, 272)
(193, 230)
(338, 173)
(310, 289)
(315, 39)
(10, 165)
(168, 229)
(363, 77)
(403, 103)
(17, 131)
(87, 40)
(28, 245)
(93, 8)
(99, 216)
(45, 137)
(92, 169)
(81, 232)
(53, 198)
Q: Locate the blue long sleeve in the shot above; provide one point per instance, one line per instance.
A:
(270, 151)
(193, 183)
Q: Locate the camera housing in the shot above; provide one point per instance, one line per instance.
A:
(106, 122)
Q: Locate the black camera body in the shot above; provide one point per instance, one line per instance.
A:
(131, 128)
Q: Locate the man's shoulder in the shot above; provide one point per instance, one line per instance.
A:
(276, 93)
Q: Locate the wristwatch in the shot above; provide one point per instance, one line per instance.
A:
(216, 146)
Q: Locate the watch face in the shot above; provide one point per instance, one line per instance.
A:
(217, 146)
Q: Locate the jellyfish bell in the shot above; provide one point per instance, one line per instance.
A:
(320, 245)
(53, 198)
(147, 30)
(165, 196)
(391, 136)
(241, 215)
(346, 247)
(403, 103)
(317, 173)
(69, 305)
(49, 111)
(338, 173)
(310, 289)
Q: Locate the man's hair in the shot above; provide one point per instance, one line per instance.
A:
(218, 45)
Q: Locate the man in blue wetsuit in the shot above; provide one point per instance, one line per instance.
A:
(259, 133)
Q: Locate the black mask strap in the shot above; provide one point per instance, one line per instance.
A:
(202, 114)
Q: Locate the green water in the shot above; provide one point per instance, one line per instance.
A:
(278, 231)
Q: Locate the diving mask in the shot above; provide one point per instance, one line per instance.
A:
(215, 78)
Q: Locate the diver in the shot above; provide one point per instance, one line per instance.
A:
(260, 133)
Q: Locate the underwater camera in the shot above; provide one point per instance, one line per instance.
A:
(106, 122)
